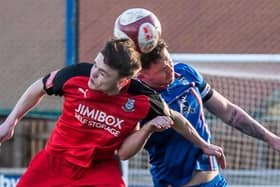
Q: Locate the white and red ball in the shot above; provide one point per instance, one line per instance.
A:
(140, 25)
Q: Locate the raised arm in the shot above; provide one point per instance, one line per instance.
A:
(135, 142)
(26, 102)
(236, 117)
(183, 127)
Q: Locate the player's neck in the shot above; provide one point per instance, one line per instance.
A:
(118, 90)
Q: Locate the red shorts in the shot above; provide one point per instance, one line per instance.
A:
(46, 170)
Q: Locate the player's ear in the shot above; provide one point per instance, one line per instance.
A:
(140, 75)
(123, 82)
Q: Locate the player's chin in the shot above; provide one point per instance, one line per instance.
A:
(91, 85)
(163, 86)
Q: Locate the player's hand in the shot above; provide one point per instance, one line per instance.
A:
(6, 131)
(217, 151)
(275, 143)
(160, 123)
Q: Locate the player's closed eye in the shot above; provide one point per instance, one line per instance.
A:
(98, 71)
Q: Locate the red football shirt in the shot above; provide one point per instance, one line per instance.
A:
(92, 124)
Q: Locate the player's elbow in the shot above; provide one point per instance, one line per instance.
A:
(123, 155)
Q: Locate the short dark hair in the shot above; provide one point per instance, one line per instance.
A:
(151, 57)
(121, 55)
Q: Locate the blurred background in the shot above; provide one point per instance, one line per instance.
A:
(40, 36)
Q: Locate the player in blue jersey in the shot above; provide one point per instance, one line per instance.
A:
(174, 160)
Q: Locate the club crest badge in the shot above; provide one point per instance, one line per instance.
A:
(129, 105)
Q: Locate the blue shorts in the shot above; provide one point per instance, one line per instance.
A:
(218, 181)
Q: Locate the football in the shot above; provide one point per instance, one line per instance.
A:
(140, 25)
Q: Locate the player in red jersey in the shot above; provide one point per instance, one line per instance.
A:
(102, 106)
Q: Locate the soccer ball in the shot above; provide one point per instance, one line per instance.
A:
(140, 25)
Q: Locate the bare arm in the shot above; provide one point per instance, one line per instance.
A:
(26, 102)
(183, 127)
(236, 117)
(136, 141)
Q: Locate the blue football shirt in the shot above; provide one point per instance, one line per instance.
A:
(173, 158)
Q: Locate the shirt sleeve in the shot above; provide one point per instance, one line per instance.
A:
(54, 81)
(157, 104)
(193, 75)
(51, 85)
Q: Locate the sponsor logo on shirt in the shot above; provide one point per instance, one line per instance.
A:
(83, 91)
(99, 119)
(185, 106)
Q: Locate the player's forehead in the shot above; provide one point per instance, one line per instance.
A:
(100, 64)
(164, 59)
(165, 54)
(99, 58)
